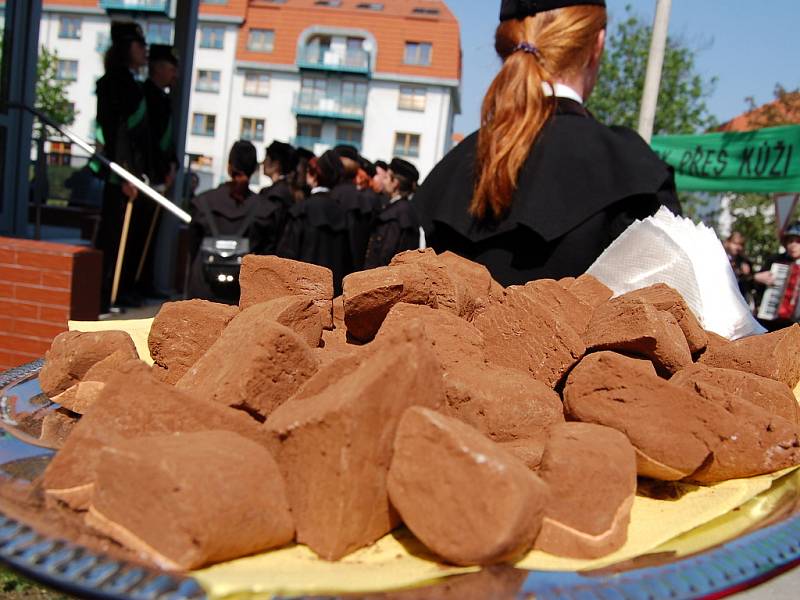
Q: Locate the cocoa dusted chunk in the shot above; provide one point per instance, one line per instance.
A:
(772, 355)
(478, 285)
(368, 297)
(298, 313)
(74, 352)
(528, 450)
(590, 290)
(182, 332)
(567, 307)
(717, 385)
(333, 442)
(265, 278)
(427, 280)
(56, 427)
(132, 405)
(678, 434)
(81, 397)
(186, 500)
(462, 495)
(504, 404)
(521, 334)
(633, 326)
(665, 298)
(579, 457)
(255, 365)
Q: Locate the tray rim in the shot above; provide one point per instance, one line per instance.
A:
(739, 564)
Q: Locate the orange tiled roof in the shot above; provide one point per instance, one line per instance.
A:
(778, 112)
(392, 27)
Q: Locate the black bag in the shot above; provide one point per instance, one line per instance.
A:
(221, 255)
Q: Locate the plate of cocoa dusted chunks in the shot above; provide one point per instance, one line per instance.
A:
(428, 434)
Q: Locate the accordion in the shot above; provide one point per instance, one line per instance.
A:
(781, 300)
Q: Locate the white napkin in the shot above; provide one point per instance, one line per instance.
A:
(689, 257)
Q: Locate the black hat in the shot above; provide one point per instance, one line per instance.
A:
(330, 169)
(305, 153)
(519, 9)
(284, 154)
(405, 169)
(159, 52)
(793, 229)
(367, 166)
(126, 31)
(347, 151)
(243, 157)
(381, 164)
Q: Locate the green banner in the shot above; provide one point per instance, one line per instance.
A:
(764, 161)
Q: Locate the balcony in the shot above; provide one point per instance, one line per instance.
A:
(329, 106)
(320, 144)
(326, 59)
(156, 7)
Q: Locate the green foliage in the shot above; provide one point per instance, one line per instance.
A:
(617, 97)
(14, 587)
(51, 93)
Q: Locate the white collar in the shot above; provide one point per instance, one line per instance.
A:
(561, 91)
(319, 190)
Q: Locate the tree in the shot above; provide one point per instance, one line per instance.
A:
(617, 97)
(51, 93)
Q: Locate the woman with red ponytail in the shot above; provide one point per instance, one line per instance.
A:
(543, 188)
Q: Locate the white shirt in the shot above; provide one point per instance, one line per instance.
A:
(561, 91)
(319, 189)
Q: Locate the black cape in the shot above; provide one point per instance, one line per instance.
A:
(360, 208)
(316, 232)
(229, 216)
(162, 133)
(396, 229)
(281, 195)
(581, 186)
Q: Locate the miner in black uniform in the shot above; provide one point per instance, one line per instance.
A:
(543, 188)
(280, 164)
(316, 230)
(359, 206)
(162, 75)
(232, 209)
(123, 136)
(396, 227)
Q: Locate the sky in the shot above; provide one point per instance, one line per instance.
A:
(748, 45)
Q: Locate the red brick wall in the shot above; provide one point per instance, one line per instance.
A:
(42, 286)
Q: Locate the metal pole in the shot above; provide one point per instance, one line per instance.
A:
(655, 63)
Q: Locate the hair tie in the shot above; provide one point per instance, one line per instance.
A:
(528, 48)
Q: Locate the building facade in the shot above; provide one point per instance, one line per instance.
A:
(382, 76)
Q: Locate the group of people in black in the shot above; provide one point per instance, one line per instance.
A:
(337, 210)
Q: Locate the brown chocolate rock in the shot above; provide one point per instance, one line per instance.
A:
(474, 284)
(333, 442)
(503, 404)
(338, 312)
(677, 433)
(521, 334)
(56, 427)
(368, 297)
(426, 280)
(182, 332)
(580, 457)
(74, 352)
(132, 405)
(255, 365)
(80, 397)
(589, 290)
(265, 278)
(186, 500)
(462, 495)
(298, 313)
(717, 385)
(665, 298)
(634, 326)
(527, 450)
(772, 355)
(567, 307)
(453, 339)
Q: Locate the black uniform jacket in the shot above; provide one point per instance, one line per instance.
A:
(360, 208)
(281, 195)
(162, 133)
(229, 215)
(316, 232)
(124, 132)
(581, 186)
(396, 229)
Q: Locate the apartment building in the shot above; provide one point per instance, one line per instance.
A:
(382, 76)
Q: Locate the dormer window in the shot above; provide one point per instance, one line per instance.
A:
(369, 6)
(424, 10)
(418, 53)
(330, 3)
